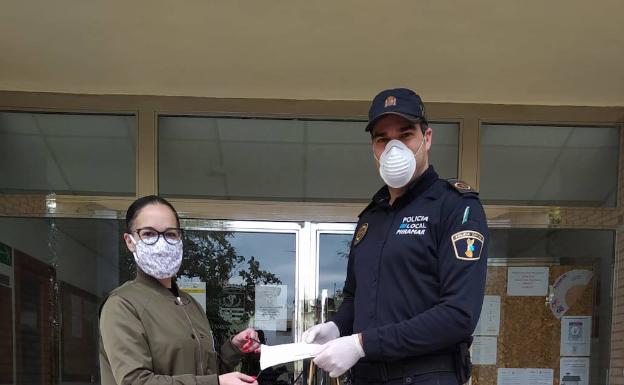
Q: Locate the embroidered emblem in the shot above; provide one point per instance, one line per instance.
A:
(470, 248)
(361, 232)
(467, 245)
(390, 101)
(413, 225)
(462, 185)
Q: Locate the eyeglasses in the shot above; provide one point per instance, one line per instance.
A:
(149, 235)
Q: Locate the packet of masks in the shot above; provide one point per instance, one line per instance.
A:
(281, 354)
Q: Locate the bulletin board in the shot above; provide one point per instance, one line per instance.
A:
(530, 334)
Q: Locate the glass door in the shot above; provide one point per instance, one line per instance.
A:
(245, 274)
(266, 275)
(330, 252)
(330, 244)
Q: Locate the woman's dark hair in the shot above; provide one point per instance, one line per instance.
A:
(138, 204)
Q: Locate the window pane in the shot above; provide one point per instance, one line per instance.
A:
(333, 257)
(236, 262)
(67, 153)
(303, 160)
(82, 257)
(59, 270)
(250, 281)
(549, 165)
(6, 314)
(576, 267)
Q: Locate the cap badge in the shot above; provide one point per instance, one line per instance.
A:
(390, 101)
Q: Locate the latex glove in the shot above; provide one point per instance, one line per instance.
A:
(236, 378)
(340, 355)
(321, 333)
(247, 341)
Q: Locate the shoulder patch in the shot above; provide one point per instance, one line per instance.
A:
(461, 186)
(467, 245)
(360, 233)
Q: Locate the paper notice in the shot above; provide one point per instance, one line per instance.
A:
(195, 289)
(574, 370)
(518, 376)
(484, 350)
(489, 321)
(281, 354)
(527, 281)
(575, 336)
(271, 307)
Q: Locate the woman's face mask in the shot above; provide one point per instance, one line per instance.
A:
(160, 260)
(397, 163)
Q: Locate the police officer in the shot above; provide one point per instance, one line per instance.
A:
(417, 266)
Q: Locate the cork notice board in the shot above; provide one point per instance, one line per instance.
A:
(530, 334)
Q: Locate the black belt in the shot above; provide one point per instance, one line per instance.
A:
(413, 366)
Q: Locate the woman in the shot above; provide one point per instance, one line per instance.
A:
(153, 333)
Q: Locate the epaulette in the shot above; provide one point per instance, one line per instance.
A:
(462, 187)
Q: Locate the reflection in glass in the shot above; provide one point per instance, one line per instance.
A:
(6, 314)
(549, 165)
(39, 152)
(250, 281)
(286, 159)
(333, 258)
(565, 253)
(57, 271)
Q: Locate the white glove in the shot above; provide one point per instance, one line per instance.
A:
(340, 355)
(321, 333)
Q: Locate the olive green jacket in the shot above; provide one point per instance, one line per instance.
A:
(150, 337)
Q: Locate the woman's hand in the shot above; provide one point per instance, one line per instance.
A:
(237, 378)
(247, 341)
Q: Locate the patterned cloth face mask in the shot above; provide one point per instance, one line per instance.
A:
(160, 260)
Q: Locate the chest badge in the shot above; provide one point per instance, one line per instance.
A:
(467, 245)
(360, 233)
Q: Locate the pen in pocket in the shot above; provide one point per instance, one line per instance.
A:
(466, 213)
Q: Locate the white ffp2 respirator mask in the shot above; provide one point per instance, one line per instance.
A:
(397, 163)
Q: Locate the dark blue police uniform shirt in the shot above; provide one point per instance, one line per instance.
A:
(416, 271)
